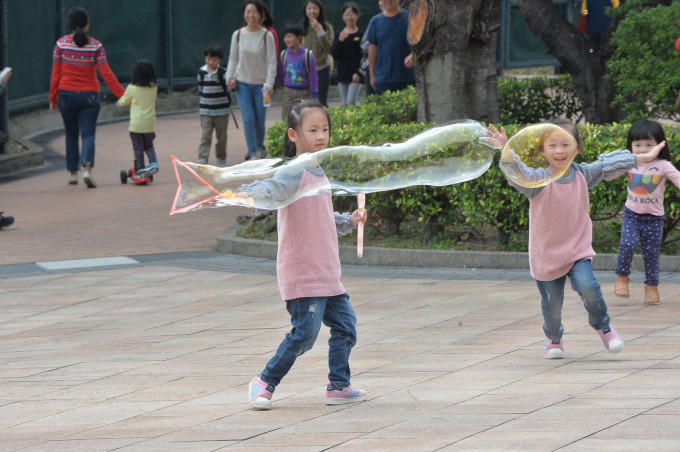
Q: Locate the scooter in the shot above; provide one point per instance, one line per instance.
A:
(143, 177)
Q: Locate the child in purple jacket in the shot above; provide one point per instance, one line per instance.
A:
(296, 71)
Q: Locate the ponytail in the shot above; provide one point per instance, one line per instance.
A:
(77, 20)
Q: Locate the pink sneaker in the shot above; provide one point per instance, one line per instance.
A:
(553, 350)
(611, 339)
(260, 394)
(338, 396)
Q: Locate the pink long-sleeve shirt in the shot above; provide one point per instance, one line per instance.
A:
(647, 185)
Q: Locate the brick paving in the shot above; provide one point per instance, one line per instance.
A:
(156, 355)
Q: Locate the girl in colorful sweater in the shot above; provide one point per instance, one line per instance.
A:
(560, 237)
(74, 91)
(643, 215)
(308, 262)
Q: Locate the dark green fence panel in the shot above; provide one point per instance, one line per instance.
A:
(172, 34)
(31, 38)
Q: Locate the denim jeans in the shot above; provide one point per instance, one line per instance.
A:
(254, 113)
(306, 315)
(584, 283)
(647, 230)
(79, 111)
(391, 86)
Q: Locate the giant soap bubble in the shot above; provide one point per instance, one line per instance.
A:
(440, 156)
(538, 155)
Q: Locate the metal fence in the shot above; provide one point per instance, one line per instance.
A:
(173, 33)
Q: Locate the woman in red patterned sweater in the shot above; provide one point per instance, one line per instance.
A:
(74, 91)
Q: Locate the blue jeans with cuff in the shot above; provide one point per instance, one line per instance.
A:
(79, 111)
(584, 283)
(306, 315)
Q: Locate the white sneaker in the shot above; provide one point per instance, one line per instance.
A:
(73, 180)
(88, 179)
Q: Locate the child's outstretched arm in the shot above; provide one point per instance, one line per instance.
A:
(652, 154)
(612, 163)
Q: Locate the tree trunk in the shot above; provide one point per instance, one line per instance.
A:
(455, 62)
(575, 52)
(587, 66)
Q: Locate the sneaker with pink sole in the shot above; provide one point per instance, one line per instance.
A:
(553, 350)
(611, 339)
(336, 395)
(260, 394)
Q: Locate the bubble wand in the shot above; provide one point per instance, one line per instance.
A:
(361, 201)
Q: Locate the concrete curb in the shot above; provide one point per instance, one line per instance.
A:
(227, 242)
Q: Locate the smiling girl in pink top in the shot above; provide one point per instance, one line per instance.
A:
(561, 233)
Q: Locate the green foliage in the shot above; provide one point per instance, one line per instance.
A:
(482, 203)
(534, 99)
(645, 66)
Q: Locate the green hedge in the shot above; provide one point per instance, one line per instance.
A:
(487, 201)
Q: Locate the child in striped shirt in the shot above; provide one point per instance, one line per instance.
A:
(213, 105)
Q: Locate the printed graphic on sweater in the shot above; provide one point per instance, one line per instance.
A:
(644, 184)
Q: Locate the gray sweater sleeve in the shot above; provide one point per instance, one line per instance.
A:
(343, 223)
(606, 166)
(280, 187)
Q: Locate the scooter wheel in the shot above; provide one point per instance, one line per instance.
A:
(123, 176)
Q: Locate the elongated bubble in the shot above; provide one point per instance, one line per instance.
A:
(440, 156)
(538, 155)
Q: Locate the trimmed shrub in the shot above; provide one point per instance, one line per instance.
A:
(487, 201)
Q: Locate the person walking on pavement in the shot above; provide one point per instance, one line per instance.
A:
(75, 92)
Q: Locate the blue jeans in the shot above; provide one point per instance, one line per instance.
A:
(79, 111)
(254, 113)
(306, 315)
(391, 86)
(584, 283)
(647, 230)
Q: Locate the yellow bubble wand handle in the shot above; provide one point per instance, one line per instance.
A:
(361, 202)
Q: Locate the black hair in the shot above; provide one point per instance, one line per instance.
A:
(322, 15)
(267, 18)
(143, 74)
(569, 127)
(295, 116)
(258, 5)
(354, 7)
(214, 50)
(295, 29)
(77, 20)
(645, 129)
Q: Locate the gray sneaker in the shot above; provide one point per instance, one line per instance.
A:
(221, 162)
(202, 161)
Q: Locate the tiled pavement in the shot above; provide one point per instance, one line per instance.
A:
(153, 350)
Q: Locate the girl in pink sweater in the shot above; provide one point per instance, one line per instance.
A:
(560, 237)
(643, 216)
(308, 262)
